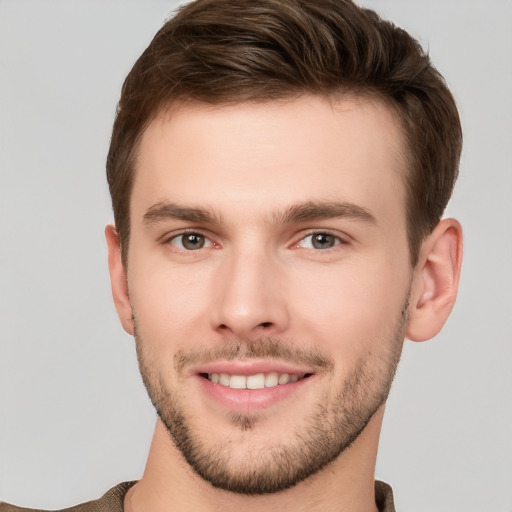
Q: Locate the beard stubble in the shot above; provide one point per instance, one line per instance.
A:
(326, 432)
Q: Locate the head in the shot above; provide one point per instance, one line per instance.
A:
(278, 171)
(221, 52)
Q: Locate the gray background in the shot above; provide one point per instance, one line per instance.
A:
(74, 417)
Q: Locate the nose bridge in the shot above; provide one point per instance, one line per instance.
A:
(250, 301)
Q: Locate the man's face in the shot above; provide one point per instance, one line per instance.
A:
(268, 274)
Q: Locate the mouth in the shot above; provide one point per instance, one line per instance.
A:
(252, 386)
(254, 381)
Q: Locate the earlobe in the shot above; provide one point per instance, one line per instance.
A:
(436, 281)
(118, 279)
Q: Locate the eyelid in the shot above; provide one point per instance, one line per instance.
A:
(342, 238)
(169, 237)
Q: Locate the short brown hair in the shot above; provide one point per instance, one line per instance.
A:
(231, 51)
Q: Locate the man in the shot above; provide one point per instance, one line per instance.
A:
(278, 172)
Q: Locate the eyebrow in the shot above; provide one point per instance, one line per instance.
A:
(298, 213)
(164, 211)
(312, 211)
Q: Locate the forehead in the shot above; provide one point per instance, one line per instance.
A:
(263, 156)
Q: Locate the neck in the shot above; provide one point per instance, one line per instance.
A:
(345, 485)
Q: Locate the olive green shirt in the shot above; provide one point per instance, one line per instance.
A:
(112, 501)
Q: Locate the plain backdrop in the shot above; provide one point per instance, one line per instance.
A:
(74, 416)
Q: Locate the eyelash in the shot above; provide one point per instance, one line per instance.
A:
(189, 232)
(338, 240)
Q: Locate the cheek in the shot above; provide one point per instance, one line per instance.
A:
(352, 308)
(169, 301)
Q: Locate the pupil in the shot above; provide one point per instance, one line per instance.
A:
(193, 241)
(323, 241)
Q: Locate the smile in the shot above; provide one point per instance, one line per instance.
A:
(252, 386)
(256, 381)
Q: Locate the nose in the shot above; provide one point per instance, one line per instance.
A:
(251, 299)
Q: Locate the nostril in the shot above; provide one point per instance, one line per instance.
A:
(265, 324)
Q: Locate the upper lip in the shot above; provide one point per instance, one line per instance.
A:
(241, 367)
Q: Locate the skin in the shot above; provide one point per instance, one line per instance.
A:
(238, 177)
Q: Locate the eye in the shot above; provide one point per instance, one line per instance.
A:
(190, 241)
(320, 241)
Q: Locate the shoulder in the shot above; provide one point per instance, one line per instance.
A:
(111, 501)
(383, 497)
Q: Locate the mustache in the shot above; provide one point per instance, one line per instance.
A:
(262, 348)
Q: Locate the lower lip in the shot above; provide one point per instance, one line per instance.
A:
(251, 400)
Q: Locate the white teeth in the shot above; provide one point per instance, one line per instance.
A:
(284, 378)
(271, 380)
(224, 379)
(238, 382)
(256, 381)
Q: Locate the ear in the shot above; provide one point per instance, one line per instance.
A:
(436, 281)
(118, 279)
